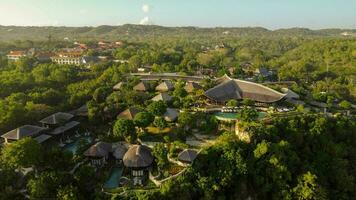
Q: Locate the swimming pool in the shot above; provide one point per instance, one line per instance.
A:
(234, 116)
(72, 147)
(114, 179)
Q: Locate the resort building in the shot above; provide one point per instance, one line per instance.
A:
(129, 113)
(165, 97)
(139, 160)
(26, 131)
(229, 89)
(56, 119)
(68, 58)
(165, 86)
(187, 156)
(143, 86)
(60, 125)
(61, 130)
(192, 86)
(98, 153)
(16, 55)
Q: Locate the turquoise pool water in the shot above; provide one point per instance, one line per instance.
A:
(114, 179)
(234, 116)
(72, 147)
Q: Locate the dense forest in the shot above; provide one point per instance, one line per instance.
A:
(138, 33)
(303, 157)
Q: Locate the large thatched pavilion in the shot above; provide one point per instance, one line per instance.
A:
(229, 89)
(139, 160)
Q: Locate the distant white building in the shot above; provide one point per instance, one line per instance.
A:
(68, 58)
(16, 55)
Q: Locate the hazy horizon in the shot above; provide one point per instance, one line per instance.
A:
(272, 15)
(212, 27)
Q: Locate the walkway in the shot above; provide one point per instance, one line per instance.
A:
(76, 167)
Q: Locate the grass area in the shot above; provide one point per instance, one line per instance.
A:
(174, 169)
(155, 130)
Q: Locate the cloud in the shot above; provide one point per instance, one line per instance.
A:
(146, 8)
(145, 21)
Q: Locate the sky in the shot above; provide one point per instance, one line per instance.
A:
(272, 14)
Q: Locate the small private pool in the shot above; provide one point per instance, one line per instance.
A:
(223, 116)
(114, 178)
(72, 147)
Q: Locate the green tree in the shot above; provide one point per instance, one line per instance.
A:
(68, 192)
(248, 102)
(186, 120)
(143, 119)
(125, 129)
(23, 153)
(248, 114)
(232, 103)
(46, 184)
(308, 188)
(157, 108)
(100, 94)
(160, 123)
(345, 105)
(160, 153)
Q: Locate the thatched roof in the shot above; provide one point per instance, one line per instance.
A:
(171, 114)
(42, 138)
(295, 102)
(138, 156)
(165, 86)
(82, 111)
(129, 113)
(191, 86)
(239, 89)
(64, 128)
(143, 86)
(318, 104)
(162, 97)
(187, 155)
(57, 118)
(290, 94)
(222, 79)
(23, 131)
(262, 71)
(118, 86)
(100, 149)
(119, 151)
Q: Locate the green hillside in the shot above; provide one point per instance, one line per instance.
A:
(134, 32)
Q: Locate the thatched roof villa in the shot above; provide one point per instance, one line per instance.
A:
(165, 97)
(129, 113)
(229, 89)
(138, 159)
(24, 131)
(165, 86)
(187, 156)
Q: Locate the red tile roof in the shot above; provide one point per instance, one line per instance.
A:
(17, 53)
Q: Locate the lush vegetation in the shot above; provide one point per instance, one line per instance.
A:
(300, 157)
